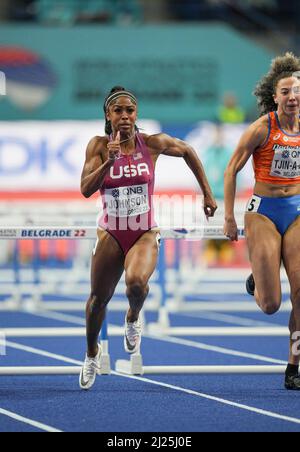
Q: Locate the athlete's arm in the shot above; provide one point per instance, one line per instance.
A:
(94, 170)
(166, 145)
(251, 140)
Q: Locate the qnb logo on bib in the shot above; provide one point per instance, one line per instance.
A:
(129, 171)
(127, 202)
(286, 161)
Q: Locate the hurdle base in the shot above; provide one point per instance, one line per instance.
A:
(162, 324)
(134, 366)
(105, 366)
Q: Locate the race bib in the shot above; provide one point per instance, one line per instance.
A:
(127, 201)
(253, 204)
(286, 162)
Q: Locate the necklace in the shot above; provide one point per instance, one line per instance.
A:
(128, 139)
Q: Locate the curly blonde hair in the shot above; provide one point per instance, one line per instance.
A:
(282, 67)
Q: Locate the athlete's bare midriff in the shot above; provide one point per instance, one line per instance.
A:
(276, 191)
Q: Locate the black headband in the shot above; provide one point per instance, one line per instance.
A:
(118, 94)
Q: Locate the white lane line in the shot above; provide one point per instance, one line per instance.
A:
(215, 399)
(176, 388)
(37, 351)
(233, 320)
(58, 316)
(213, 348)
(24, 420)
(176, 341)
(226, 318)
(234, 331)
(198, 345)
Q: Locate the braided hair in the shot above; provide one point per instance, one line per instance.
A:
(110, 98)
(282, 67)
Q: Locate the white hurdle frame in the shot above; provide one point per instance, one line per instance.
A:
(90, 233)
(135, 366)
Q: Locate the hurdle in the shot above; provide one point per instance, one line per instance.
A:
(105, 360)
(135, 366)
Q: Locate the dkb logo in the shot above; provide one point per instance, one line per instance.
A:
(2, 84)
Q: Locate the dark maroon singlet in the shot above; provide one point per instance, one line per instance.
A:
(127, 196)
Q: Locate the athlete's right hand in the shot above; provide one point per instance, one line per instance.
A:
(114, 148)
(231, 230)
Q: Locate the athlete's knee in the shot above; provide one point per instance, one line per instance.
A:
(270, 309)
(137, 286)
(99, 302)
(269, 305)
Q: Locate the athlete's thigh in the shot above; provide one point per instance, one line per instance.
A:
(265, 248)
(291, 255)
(141, 260)
(107, 264)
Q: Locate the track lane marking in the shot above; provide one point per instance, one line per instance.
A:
(32, 423)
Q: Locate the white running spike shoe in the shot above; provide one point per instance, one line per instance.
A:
(133, 336)
(90, 370)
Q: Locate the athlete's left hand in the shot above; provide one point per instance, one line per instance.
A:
(210, 206)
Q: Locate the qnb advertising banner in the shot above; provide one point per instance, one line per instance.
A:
(49, 156)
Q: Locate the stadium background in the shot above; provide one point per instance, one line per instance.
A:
(181, 59)
(193, 65)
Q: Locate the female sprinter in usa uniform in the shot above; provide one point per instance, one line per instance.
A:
(272, 223)
(122, 166)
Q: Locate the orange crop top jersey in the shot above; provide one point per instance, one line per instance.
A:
(277, 161)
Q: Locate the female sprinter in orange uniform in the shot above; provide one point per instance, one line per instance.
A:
(272, 223)
(122, 166)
